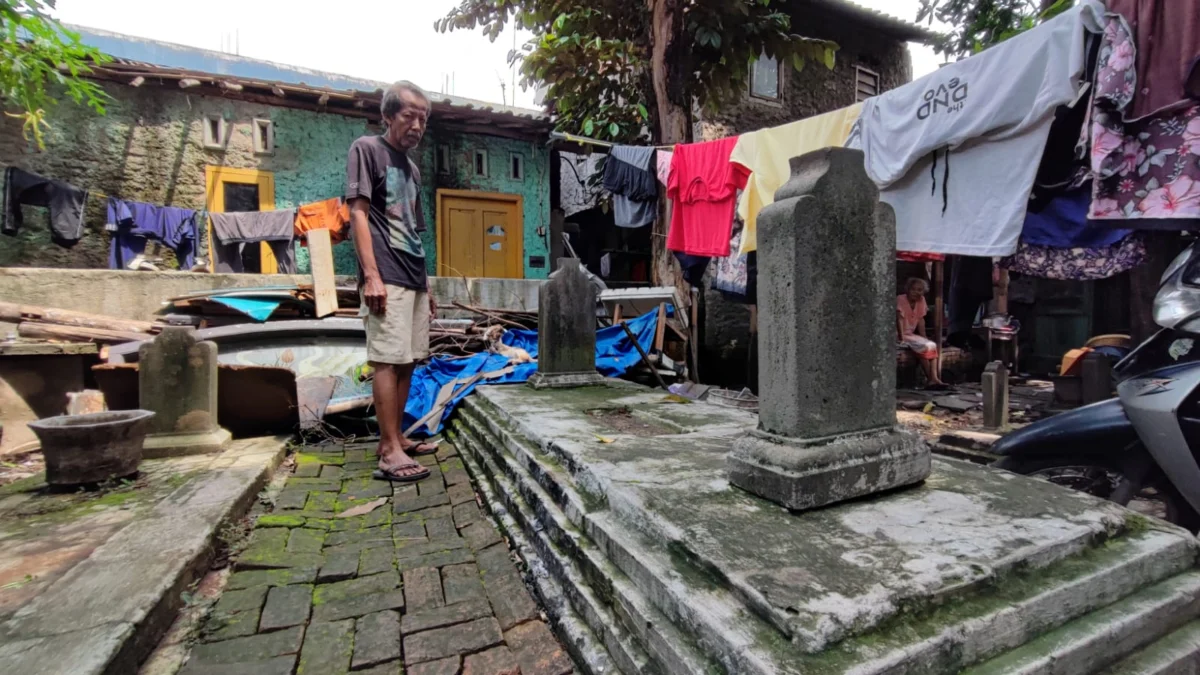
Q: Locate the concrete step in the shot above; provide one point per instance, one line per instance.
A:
(601, 595)
(1175, 654)
(702, 604)
(1088, 644)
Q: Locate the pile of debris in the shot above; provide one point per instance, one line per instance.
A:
(478, 332)
(224, 307)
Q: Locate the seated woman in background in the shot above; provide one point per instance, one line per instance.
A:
(910, 328)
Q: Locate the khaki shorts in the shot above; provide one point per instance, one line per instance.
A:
(401, 335)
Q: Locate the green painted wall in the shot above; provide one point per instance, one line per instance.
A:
(149, 148)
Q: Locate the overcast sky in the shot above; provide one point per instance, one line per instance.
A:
(374, 39)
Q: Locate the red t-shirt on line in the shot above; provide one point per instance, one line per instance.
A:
(702, 187)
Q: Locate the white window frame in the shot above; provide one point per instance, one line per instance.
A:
(516, 166)
(264, 136)
(480, 159)
(778, 98)
(216, 142)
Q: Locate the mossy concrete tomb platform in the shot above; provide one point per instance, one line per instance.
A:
(649, 561)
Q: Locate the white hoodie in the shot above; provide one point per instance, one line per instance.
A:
(955, 153)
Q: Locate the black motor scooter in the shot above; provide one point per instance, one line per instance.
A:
(1141, 446)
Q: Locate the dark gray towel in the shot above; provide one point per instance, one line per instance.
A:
(251, 226)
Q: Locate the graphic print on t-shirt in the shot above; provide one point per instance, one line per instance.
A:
(402, 219)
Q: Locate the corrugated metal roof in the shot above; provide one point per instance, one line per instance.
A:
(881, 21)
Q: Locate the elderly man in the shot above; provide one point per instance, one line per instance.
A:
(383, 191)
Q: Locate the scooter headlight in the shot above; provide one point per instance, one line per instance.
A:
(1174, 304)
(1176, 264)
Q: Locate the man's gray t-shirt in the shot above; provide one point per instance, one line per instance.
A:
(391, 183)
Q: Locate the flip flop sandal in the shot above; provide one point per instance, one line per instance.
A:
(380, 474)
(414, 450)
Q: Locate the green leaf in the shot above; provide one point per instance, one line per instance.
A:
(830, 58)
(614, 129)
(643, 112)
(588, 127)
(798, 62)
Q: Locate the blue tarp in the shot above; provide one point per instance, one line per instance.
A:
(255, 308)
(614, 355)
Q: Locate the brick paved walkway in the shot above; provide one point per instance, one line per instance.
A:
(423, 584)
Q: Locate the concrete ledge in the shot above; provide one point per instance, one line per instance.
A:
(158, 446)
(107, 613)
(808, 474)
(565, 380)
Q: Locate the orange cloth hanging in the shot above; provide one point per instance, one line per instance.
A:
(330, 214)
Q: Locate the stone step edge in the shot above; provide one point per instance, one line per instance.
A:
(626, 614)
(515, 435)
(1177, 653)
(714, 627)
(1151, 565)
(1088, 644)
(576, 635)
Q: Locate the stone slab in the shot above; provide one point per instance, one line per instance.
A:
(253, 648)
(463, 638)
(440, 617)
(328, 649)
(495, 661)
(158, 446)
(820, 577)
(362, 605)
(803, 475)
(537, 651)
(135, 579)
(286, 606)
(376, 639)
(423, 589)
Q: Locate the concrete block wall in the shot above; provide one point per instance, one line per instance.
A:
(139, 295)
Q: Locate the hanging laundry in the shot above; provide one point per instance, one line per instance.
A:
(1165, 53)
(763, 158)
(730, 274)
(133, 223)
(702, 187)
(331, 214)
(694, 267)
(971, 286)
(1063, 223)
(662, 160)
(1146, 172)
(578, 190)
(628, 176)
(233, 230)
(955, 152)
(64, 200)
(1077, 264)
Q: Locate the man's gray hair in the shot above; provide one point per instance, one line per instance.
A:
(392, 103)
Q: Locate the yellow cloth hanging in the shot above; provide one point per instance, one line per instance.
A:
(765, 156)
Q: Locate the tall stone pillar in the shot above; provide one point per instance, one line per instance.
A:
(827, 343)
(177, 379)
(566, 329)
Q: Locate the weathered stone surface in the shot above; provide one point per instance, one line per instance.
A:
(446, 666)
(433, 485)
(440, 617)
(331, 472)
(461, 583)
(380, 533)
(339, 566)
(278, 577)
(466, 514)
(480, 535)
(304, 540)
(280, 665)
(495, 661)
(566, 328)
(415, 549)
(537, 651)
(286, 606)
(328, 648)
(463, 638)
(249, 649)
(274, 520)
(314, 484)
(423, 589)
(994, 384)
(307, 470)
(359, 606)
(441, 528)
(351, 588)
(177, 379)
(321, 501)
(416, 502)
(440, 559)
(376, 560)
(236, 614)
(826, 429)
(291, 499)
(376, 639)
(380, 516)
(413, 529)
(460, 492)
(235, 601)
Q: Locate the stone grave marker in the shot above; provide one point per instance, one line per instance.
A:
(995, 395)
(827, 354)
(177, 379)
(566, 329)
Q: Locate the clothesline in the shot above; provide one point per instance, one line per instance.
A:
(562, 136)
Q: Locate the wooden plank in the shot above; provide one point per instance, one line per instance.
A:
(660, 326)
(938, 313)
(10, 311)
(320, 250)
(49, 331)
(617, 314)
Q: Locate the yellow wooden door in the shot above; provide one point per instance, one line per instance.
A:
(480, 235)
(241, 190)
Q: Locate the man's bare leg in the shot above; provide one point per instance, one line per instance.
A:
(403, 384)
(387, 391)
